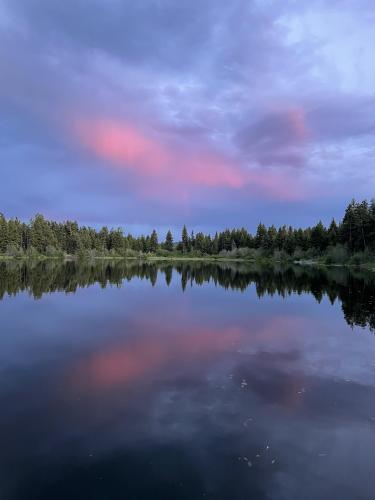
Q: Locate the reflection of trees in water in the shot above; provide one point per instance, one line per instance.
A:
(354, 289)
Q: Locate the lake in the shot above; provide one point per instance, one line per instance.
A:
(135, 380)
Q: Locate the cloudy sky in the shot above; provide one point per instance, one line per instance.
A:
(155, 113)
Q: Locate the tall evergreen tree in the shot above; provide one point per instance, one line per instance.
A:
(116, 240)
(261, 236)
(41, 234)
(200, 242)
(348, 226)
(215, 245)
(319, 238)
(3, 234)
(168, 245)
(333, 233)
(153, 242)
(185, 240)
(104, 238)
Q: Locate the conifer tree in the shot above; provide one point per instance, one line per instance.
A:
(261, 235)
(185, 240)
(215, 245)
(168, 245)
(3, 234)
(333, 233)
(104, 238)
(319, 238)
(347, 226)
(200, 242)
(41, 234)
(153, 245)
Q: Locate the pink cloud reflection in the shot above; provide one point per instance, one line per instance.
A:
(135, 360)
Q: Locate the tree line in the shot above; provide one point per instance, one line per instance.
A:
(354, 235)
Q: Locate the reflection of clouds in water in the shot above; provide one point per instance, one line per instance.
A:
(198, 421)
(143, 399)
(160, 349)
(139, 358)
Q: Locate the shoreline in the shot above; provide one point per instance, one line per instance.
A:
(369, 266)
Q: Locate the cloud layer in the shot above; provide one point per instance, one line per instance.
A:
(161, 113)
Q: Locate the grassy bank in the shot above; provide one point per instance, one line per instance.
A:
(269, 260)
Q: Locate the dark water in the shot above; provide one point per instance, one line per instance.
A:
(219, 381)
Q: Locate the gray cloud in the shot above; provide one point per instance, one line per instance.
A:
(258, 81)
(342, 117)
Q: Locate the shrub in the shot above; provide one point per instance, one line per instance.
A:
(361, 258)
(280, 255)
(336, 255)
(161, 252)
(82, 254)
(246, 253)
(52, 251)
(223, 253)
(298, 254)
(92, 253)
(32, 253)
(13, 251)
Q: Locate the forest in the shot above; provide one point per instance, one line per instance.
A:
(350, 240)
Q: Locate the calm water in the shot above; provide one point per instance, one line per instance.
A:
(220, 382)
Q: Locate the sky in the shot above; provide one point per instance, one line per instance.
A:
(156, 113)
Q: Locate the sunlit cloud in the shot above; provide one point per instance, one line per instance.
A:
(127, 148)
(184, 112)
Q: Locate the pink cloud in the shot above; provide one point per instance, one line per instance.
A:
(127, 147)
(175, 168)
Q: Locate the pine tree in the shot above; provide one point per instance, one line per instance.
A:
(261, 236)
(333, 233)
(103, 238)
(192, 241)
(215, 245)
(270, 240)
(363, 224)
(200, 242)
(3, 234)
(227, 240)
(116, 240)
(15, 233)
(290, 243)
(319, 239)
(185, 240)
(371, 225)
(168, 245)
(347, 226)
(153, 246)
(281, 238)
(41, 234)
(146, 245)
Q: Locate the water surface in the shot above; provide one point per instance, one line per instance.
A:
(225, 381)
